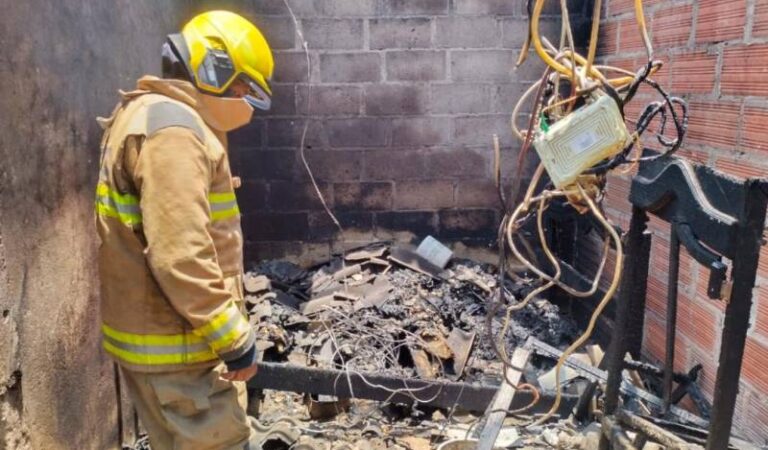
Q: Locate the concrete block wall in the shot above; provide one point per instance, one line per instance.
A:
(716, 56)
(402, 101)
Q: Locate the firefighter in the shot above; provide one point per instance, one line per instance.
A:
(170, 259)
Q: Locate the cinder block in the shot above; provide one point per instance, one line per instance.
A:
(337, 34)
(280, 32)
(302, 8)
(276, 226)
(290, 67)
(480, 7)
(287, 133)
(485, 65)
(399, 99)
(400, 33)
(250, 136)
(268, 165)
(393, 165)
(322, 228)
(515, 29)
(355, 8)
(419, 131)
(332, 165)
(357, 132)
(507, 95)
(467, 223)
(350, 67)
(464, 163)
(292, 196)
(252, 197)
(479, 130)
(363, 196)
(330, 100)
(416, 65)
(420, 223)
(283, 100)
(460, 98)
(423, 194)
(477, 194)
(467, 32)
(416, 7)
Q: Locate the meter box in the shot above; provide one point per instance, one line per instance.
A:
(581, 140)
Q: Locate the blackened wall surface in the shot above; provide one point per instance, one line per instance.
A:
(402, 101)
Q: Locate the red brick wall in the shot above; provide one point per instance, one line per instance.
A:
(716, 55)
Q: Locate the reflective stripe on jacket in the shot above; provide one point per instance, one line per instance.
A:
(170, 259)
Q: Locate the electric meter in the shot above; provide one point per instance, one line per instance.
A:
(582, 139)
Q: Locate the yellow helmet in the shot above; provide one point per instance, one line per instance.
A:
(218, 47)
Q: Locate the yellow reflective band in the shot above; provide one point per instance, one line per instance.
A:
(127, 218)
(226, 328)
(151, 339)
(124, 207)
(157, 360)
(102, 190)
(223, 205)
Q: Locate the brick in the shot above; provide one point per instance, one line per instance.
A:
(467, 32)
(654, 337)
(416, 7)
(363, 196)
(350, 67)
(721, 21)
(755, 133)
(280, 32)
(395, 99)
(250, 136)
(760, 322)
(283, 100)
(460, 164)
(714, 123)
(322, 227)
(672, 26)
(754, 368)
(421, 131)
(357, 132)
(477, 194)
(656, 299)
(485, 65)
(400, 33)
(252, 197)
(293, 196)
(460, 98)
(744, 70)
(394, 165)
(760, 19)
(740, 167)
(698, 323)
(467, 223)
(754, 418)
(420, 223)
(288, 132)
(608, 41)
(290, 67)
(630, 40)
(276, 226)
(693, 73)
(625, 6)
(416, 65)
(330, 100)
(481, 7)
(423, 194)
(333, 165)
(334, 34)
(268, 165)
(480, 129)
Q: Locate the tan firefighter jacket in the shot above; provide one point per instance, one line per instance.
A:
(170, 258)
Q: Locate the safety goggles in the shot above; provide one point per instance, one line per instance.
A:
(217, 70)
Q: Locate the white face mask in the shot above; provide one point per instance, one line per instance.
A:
(225, 113)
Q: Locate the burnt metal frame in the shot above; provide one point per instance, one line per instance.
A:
(704, 207)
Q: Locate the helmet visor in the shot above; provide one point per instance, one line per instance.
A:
(216, 69)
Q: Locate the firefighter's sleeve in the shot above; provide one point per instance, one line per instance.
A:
(173, 174)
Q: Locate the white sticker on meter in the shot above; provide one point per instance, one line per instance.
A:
(583, 142)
